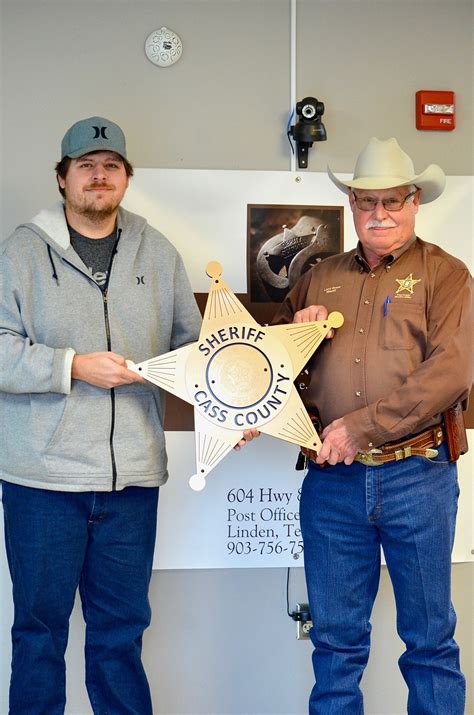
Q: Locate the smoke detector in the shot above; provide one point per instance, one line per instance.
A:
(163, 47)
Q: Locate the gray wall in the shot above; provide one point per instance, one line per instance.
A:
(220, 641)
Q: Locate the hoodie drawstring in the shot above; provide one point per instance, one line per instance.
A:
(55, 275)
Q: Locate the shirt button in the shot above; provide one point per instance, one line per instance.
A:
(372, 275)
(388, 267)
(361, 330)
(358, 393)
(366, 302)
(357, 360)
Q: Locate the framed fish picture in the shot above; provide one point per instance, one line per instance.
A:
(284, 241)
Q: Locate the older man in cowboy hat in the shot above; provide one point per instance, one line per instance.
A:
(384, 475)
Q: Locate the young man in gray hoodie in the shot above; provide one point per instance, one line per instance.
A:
(84, 286)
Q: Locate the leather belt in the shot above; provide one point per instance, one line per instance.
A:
(420, 445)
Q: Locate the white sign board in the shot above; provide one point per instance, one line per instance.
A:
(248, 515)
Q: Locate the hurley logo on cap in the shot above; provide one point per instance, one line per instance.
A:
(93, 134)
(100, 132)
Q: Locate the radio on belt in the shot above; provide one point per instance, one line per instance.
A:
(435, 110)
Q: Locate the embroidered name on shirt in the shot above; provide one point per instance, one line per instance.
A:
(407, 284)
(331, 289)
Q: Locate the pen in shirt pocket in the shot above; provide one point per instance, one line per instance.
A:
(385, 305)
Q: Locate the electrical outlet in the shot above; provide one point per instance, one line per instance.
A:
(303, 627)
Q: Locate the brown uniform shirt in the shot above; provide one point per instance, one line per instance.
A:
(404, 353)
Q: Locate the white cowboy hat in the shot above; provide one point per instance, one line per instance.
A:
(382, 164)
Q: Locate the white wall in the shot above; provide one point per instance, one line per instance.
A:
(221, 642)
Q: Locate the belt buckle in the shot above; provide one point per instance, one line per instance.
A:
(367, 458)
(403, 453)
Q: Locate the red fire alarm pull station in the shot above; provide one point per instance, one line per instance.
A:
(435, 110)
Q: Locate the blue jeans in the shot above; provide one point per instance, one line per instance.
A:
(102, 542)
(347, 513)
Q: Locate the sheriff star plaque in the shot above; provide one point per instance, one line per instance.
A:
(239, 375)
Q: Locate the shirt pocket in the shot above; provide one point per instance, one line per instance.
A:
(402, 326)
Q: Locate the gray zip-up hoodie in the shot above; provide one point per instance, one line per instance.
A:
(68, 435)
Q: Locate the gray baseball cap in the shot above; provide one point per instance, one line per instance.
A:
(93, 134)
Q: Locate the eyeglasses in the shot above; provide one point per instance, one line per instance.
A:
(369, 203)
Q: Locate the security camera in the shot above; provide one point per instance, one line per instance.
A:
(308, 129)
(308, 111)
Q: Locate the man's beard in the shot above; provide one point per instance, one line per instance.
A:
(93, 211)
(96, 215)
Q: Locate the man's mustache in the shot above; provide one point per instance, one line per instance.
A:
(386, 223)
(99, 186)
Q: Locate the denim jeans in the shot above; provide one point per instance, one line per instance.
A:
(101, 542)
(347, 512)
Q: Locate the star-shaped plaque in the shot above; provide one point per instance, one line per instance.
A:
(239, 375)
